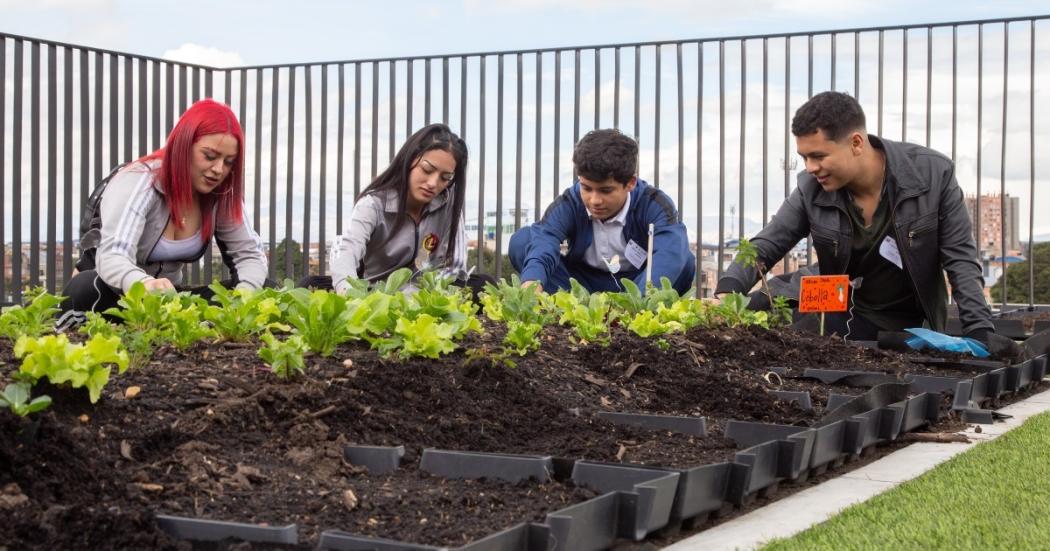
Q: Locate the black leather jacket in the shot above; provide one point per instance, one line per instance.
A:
(930, 223)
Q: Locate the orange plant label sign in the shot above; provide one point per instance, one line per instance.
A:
(823, 293)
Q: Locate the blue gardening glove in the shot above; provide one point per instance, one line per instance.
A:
(924, 338)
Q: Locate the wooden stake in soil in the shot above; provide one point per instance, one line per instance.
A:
(649, 259)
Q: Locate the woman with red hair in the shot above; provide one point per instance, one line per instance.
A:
(158, 213)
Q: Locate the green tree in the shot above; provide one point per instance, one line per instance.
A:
(280, 264)
(1017, 278)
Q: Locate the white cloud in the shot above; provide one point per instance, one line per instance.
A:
(204, 55)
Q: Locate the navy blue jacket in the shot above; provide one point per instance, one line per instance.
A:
(567, 219)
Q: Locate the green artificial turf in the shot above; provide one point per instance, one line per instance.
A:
(994, 496)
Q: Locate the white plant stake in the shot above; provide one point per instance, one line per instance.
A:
(649, 259)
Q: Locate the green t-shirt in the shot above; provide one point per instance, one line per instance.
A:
(886, 296)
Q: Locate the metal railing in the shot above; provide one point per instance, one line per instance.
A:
(711, 116)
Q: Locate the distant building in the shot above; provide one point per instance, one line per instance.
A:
(993, 220)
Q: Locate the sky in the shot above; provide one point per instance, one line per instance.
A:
(236, 33)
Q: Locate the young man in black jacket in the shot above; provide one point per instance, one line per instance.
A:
(890, 215)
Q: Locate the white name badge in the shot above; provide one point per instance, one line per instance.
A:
(635, 254)
(888, 249)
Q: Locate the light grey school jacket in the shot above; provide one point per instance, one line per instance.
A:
(134, 214)
(368, 249)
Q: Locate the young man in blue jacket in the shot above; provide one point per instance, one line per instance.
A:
(605, 218)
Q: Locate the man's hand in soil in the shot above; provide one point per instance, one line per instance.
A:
(159, 285)
(535, 285)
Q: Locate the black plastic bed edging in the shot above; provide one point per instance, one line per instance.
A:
(801, 397)
(773, 453)
(378, 459)
(648, 494)
(701, 489)
(696, 426)
(862, 379)
(508, 467)
(196, 529)
(522, 537)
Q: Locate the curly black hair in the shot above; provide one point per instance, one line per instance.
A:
(604, 154)
(835, 113)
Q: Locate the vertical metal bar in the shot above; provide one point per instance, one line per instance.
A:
(99, 86)
(463, 70)
(52, 167)
(904, 87)
(154, 108)
(517, 156)
(375, 119)
(557, 122)
(656, 121)
(357, 130)
(274, 105)
(980, 120)
(638, 97)
(143, 110)
(721, 152)
(929, 82)
(681, 133)
(539, 136)
(16, 175)
(67, 165)
(481, 166)
(444, 90)
(408, 97)
(208, 80)
(244, 125)
(881, 50)
(228, 92)
(1003, 219)
(955, 86)
(576, 99)
(169, 101)
(834, 44)
(1031, 166)
(743, 134)
(498, 255)
(787, 126)
(257, 206)
(183, 96)
(392, 124)
(701, 277)
(426, 95)
(340, 122)
(856, 66)
(322, 210)
(196, 88)
(765, 131)
(114, 113)
(85, 137)
(34, 165)
(616, 90)
(129, 107)
(809, 63)
(597, 88)
(308, 100)
(289, 179)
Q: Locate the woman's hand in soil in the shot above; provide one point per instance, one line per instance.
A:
(162, 284)
(713, 300)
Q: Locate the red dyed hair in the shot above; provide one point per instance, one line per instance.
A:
(203, 118)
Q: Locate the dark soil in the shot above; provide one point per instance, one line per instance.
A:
(213, 434)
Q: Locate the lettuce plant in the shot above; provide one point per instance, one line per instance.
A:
(16, 398)
(85, 365)
(285, 358)
(33, 319)
(240, 313)
(321, 319)
(589, 314)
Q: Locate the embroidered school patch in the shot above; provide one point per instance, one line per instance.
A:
(430, 242)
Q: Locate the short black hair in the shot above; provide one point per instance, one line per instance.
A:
(604, 154)
(835, 113)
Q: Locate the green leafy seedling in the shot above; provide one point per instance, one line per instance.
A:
(16, 398)
(85, 365)
(34, 319)
(285, 358)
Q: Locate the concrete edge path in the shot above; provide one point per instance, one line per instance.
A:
(793, 514)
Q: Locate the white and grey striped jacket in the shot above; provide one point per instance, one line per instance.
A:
(368, 248)
(133, 216)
